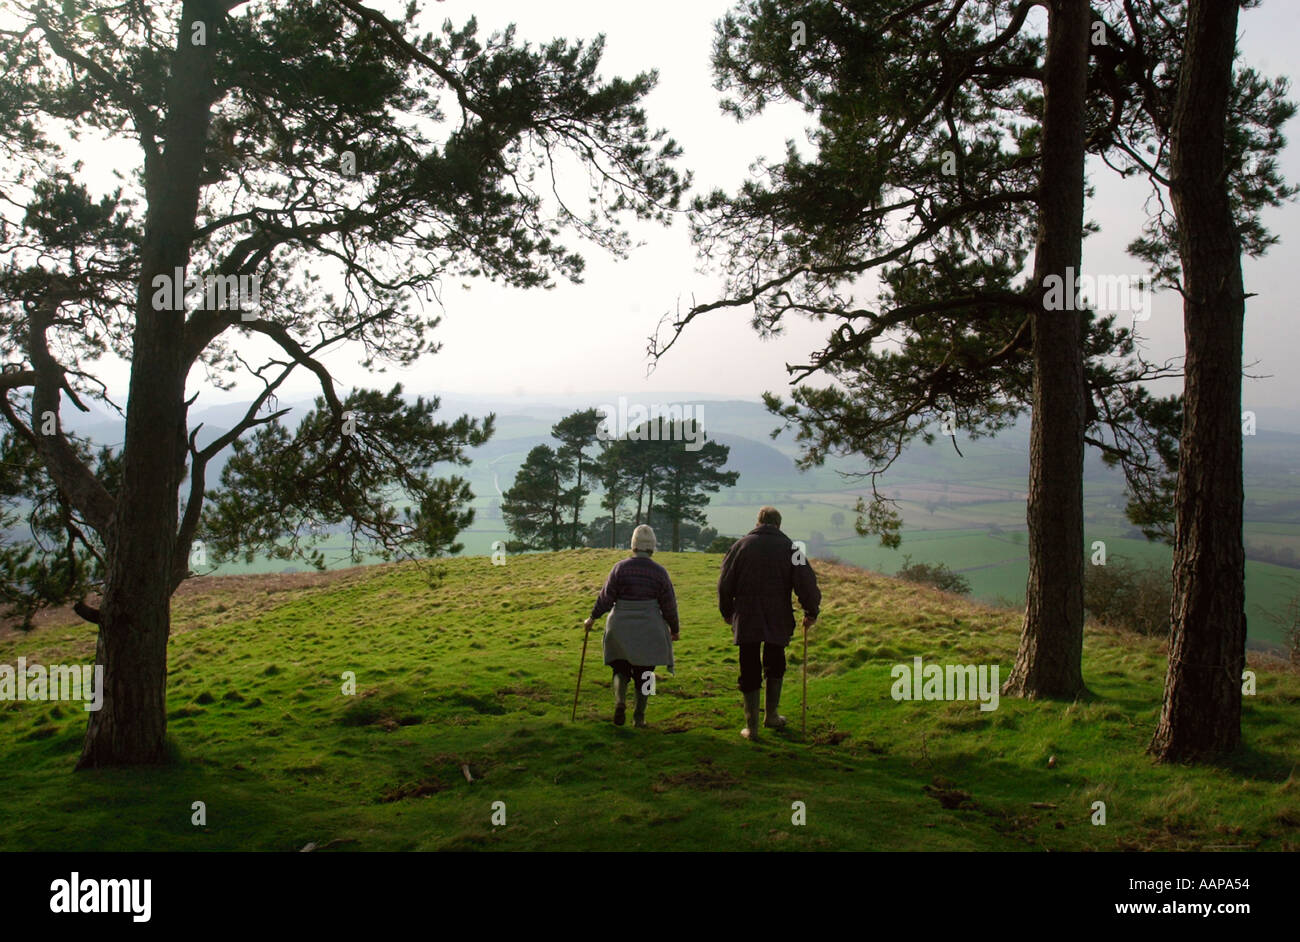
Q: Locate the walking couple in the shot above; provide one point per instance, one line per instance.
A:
(758, 574)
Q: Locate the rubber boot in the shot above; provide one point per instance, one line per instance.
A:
(750, 731)
(773, 720)
(638, 715)
(620, 699)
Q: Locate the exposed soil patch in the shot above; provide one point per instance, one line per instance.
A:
(704, 777)
(831, 737)
(951, 798)
(430, 786)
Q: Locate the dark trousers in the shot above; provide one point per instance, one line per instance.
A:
(636, 675)
(752, 666)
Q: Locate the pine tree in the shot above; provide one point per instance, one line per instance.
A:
(322, 164)
(1216, 191)
(690, 474)
(576, 433)
(533, 507)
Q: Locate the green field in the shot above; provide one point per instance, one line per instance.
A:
(480, 671)
(997, 566)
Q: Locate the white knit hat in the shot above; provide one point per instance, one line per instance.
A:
(643, 538)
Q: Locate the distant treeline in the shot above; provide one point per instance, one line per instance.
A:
(1277, 555)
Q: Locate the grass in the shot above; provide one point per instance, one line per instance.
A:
(479, 672)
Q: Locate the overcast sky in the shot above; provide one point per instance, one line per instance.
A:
(592, 337)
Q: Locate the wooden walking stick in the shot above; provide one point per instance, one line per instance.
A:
(805, 677)
(585, 634)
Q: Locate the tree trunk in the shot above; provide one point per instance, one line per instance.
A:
(1201, 714)
(135, 614)
(613, 521)
(135, 622)
(557, 515)
(1049, 662)
(577, 500)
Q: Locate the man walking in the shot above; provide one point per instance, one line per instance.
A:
(758, 574)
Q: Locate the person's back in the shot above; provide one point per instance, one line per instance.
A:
(643, 622)
(758, 574)
(640, 578)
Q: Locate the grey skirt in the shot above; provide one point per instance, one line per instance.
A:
(636, 632)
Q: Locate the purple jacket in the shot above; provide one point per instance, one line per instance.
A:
(758, 575)
(638, 578)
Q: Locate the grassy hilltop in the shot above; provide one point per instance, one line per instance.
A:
(481, 671)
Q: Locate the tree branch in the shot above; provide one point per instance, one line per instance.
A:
(75, 481)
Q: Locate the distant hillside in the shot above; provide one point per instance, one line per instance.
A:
(966, 510)
(1272, 456)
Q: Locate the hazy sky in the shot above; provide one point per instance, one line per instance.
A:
(592, 337)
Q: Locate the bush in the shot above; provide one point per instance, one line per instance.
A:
(1125, 595)
(720, 544)
(934, 574)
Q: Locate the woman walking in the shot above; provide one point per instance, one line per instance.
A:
(642, 624)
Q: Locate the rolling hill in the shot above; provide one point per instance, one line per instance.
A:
(477, 674)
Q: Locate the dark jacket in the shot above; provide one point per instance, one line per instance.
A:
(758, 574)
(639, 578)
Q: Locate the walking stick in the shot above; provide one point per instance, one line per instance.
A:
(585, 634)
(805, 677)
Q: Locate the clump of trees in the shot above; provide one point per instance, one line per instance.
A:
(665, 468)
(692, 535)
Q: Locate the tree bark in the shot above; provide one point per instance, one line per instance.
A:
(577, 500)
(135, 616)
(1201, 714)
(1049, 661)
(557, 515)
(677, 520)
(613, 521)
